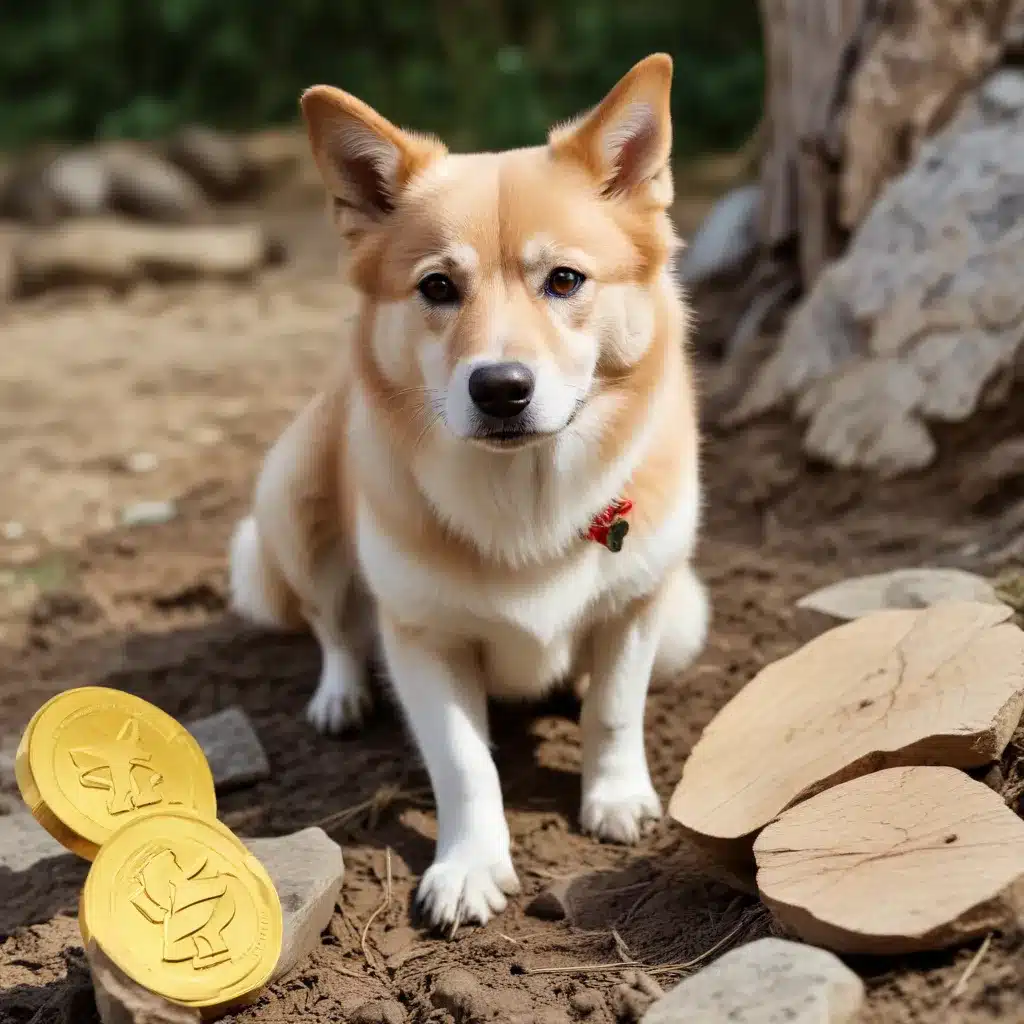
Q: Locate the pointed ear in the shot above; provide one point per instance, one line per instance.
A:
(364, 160)
(626, 140)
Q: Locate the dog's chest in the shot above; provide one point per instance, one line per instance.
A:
(529, 622)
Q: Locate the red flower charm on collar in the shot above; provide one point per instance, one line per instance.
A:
(610, 527)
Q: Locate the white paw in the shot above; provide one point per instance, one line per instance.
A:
(337, 706)
(465, 890)
(616, 810)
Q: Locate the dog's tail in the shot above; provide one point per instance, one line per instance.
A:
(259, 590)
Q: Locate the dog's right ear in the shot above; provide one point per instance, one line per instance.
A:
(364, 160)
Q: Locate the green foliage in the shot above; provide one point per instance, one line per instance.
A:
(481, 73)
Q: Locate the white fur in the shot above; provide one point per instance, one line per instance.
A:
(250, 585)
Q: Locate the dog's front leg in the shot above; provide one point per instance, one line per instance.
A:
(617, 793)
(441, 692)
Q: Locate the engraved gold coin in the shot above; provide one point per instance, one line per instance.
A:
(182, 907)
(93, 758)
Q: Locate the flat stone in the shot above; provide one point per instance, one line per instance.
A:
(232, 748)
(120, 1000)
(770, 981)
(307, 869)
(903, 588)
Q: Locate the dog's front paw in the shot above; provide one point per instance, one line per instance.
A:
(338, 704)
(465, 890)
(617, 810)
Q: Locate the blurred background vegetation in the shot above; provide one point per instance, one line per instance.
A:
(482, 73)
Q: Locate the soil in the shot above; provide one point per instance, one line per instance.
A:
(203, 377)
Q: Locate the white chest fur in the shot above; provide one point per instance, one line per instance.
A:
(529, 621)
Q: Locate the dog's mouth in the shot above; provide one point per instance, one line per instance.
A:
(510, 440)
(512, 436)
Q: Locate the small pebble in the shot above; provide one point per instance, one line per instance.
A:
(141, 462)
(13, 530)
(148, 513)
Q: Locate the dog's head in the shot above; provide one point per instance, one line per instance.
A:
(501, 289)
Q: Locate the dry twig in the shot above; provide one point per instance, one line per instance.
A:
(961, 986)
(384, 904)
(373, 806)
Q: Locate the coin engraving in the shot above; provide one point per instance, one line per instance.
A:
(122, 767)
(179, 904)
(193, 905)
(92, 758)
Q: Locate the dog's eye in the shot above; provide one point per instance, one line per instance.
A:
(563, 282)
(439, 290)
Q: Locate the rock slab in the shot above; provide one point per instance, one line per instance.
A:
(120, 1000)
(944, 685)
(308, 870)
(770, 981)
(232, 748)
(921, 322)
(902, 588)
(901, 861)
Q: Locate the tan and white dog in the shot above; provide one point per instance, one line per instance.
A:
(512, 395)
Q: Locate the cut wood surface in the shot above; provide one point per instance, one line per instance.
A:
(943, 685)
(904, 860)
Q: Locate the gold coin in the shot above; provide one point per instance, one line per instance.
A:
(183, 908)
(93, 758)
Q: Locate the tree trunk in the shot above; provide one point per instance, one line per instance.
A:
(853, 88)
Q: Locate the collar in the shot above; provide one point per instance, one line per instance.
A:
(609, 527)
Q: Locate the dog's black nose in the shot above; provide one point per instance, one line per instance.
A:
(502, 390)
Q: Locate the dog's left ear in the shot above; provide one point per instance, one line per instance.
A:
(626, 139)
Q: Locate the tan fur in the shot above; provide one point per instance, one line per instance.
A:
(378, 497)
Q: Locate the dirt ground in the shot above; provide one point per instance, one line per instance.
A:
(202, 377)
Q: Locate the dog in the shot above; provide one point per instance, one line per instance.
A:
(497, 490)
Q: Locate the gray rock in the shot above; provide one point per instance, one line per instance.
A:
(120, 1000)
(232, 748)
(725, 239)
(148, 513)
(308, 870)
(24, 842)
(922, 320)
(770, 981)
